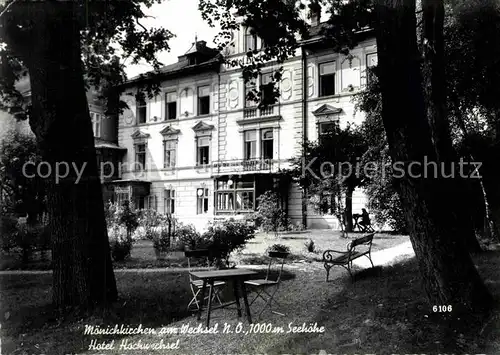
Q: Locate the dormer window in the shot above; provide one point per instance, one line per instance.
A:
(192, 60)
(250, 40)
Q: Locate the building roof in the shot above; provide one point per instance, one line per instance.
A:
(210, 58)
(205, 58)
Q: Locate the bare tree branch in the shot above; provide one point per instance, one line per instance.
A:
(7, 7)
(140, 24)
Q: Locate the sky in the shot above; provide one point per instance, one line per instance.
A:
(182, 18)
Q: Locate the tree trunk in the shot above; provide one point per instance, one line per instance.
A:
(489, 177)
(490, 226)
(448, 274)
(435, 94)
(82, 269)
(348, 209)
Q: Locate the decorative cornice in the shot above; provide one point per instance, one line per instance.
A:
(140, 135)
(202, 126)
(326, 109)
(169, 131)
(246, 121)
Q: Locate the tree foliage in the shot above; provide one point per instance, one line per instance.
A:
(24, 190)
(270, 214)
(330, 169)
(111, 34)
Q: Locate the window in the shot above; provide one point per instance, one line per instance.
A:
(267, 89)
(140, 156)
(141, 111)
(152, 202)
(250, 40)
(169, 153)
(326, 128)
(371, 61)
(244, 200)
(169, 201)
(249, 87)
(250, 145)
(204, 100)
(267, 144)
(171, 106)
(327, 79)
(203, 150)
(96, 123)
(202, 201)
(235, 196)
(139, 202)
(122, 195)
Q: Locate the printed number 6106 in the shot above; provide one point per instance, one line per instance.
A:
(447, 308)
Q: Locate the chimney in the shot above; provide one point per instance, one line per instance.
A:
(315, 14)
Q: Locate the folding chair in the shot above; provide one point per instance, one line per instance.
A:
(260, 286)
(200, 260)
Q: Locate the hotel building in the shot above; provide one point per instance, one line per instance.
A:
(200, 151)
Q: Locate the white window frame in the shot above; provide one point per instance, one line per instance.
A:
(169, 201)
(205, 96)
(136, 155)
(170, 164)
(96, 123)
(201, 199)
(145, 106)
(320, 86)
(176, 116)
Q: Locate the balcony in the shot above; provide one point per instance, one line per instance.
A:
(255, 112)
(242, 165)
(257, 115)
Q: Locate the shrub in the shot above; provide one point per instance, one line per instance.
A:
(129, 218)
(310, 246)
(122, 221)
(122, 215)
(8, 231)
(296, 227)
(161, 240)
(384, 202)
(279, 248)
(140, 234)
(227, 236)
(189, 237)
(148, 221)
(120, 242)
(176, 245)
(270, 216)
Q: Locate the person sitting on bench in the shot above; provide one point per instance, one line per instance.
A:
(365, 223)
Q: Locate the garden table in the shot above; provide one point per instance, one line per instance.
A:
(238, 276)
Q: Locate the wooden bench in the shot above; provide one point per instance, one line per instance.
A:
(355, 249)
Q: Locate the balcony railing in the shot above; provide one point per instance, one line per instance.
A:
(242, 165)
(255, 112)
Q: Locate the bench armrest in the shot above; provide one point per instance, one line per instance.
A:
(327, 254)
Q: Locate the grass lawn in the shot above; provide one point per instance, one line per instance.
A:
(383, 312)
(143, 254)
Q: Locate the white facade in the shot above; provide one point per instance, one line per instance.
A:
(246, 145)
